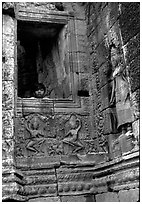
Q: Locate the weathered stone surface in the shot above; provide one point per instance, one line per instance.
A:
(113, 35)
(42, 6)
(8, 68)
(75, 9)
(109, 121)
(131, 195)
(8, 5)
(72, 159)
(81, 27)
(134, 72)
(132, 48)
(7, 131)
(42, 190)
(8, 25)
(80, 198)
(8, 95)
(7, 149)
(7, 117)
(103, 74)
(135, 103)
(45, 199)
(8, 46)
(113, 8)
(135, 193)
(129, 28)
(105, 96)
(107, 197)
(136, 129)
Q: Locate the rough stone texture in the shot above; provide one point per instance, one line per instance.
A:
(129, 11)
(131, 195)
(82, 198)
(89, 168)
(134, 72)
(46, 199)
(107, 197)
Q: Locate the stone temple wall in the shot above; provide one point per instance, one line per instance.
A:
(113, 26)
(72, 149)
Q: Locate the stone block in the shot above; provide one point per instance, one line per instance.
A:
(7, 149)
(113, 34)
(79, 198)
(105, 19)
(109, 121)
(105, 96)
(8, 69)
(8, 131)
(8, 25)
(113, 153)
(107, 197)
(131, 195)
(135, 193)
(135, 103)
(79, 11)
(8, 46)
(114, 12)
(42, 190)
(136, 128)
(73, 43)
(7, 118)
(102, 51)
(45, 199)
(8, 95)
(85, 131)
(84, 82)
(132, 48)
(81, 27)
(131, 7)
(103, 74)
(86, 103)
(83, 66)
(93, 42)
(134, 73)
(81, 43)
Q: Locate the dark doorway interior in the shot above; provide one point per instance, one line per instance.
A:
(35, 41)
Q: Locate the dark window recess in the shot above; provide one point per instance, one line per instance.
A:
(83, 93)
(3, 59)
(37, 54)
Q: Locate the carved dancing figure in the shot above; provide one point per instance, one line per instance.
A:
(72, 136)
(37, 134)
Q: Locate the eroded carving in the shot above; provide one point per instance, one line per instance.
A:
(71, 138)
(61, 137)
(120, 89)
(57, 6)
(125, 143)
(37, 126)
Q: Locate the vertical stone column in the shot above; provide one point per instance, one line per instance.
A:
(9, 186)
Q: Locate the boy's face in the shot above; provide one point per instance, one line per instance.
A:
(39, 93)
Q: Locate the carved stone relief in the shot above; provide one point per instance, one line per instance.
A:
(120, 89)
(54, 138)
(57, 6)
(39, 130)
(71, 138)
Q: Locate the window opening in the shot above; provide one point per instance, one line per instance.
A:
(42, 67)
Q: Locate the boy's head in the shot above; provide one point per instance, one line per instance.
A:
(39, 90)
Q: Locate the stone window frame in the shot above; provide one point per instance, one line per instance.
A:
(44, 104)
